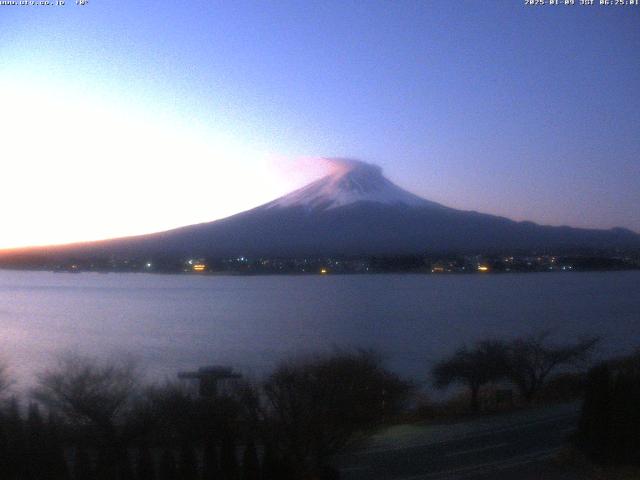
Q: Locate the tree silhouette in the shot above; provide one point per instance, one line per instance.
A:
(168, 467)
(228, 457)
(55, 457)
(320, 406)
(273, 466)
(532, 359)
(87, 391)
(210, 463)
(188, 467)
(608, 429)
(145, 467)
(91, 393)
(36, 445)
(485, 363)
(83, 466)
(17, 454)
(250, 463)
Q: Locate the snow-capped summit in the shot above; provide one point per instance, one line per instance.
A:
(350, 181)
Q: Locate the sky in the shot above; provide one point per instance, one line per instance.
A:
(120, 117)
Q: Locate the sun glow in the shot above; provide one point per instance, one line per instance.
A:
(80, 167)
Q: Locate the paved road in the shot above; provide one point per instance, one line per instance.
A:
(513, 445)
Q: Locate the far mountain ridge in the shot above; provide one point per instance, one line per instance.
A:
(354, 210)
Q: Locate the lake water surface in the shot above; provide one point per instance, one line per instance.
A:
(175, 322)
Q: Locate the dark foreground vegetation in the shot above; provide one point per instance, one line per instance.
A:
(524, 363)
(100, 423)
(90, 419)
(609, 430)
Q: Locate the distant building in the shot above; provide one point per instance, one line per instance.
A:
(212, 380)
(196, 265)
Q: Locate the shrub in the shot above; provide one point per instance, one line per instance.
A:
(609, 429)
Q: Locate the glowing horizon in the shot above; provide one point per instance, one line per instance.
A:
(110, 172)
(114, 124)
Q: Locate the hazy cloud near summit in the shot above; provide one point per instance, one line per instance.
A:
(306, 169)
(341, 165)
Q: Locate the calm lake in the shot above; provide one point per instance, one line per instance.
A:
(175, 322)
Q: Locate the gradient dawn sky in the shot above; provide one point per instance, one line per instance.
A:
(123, 117)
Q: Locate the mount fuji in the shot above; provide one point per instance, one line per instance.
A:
(350, 181)
(354, 210)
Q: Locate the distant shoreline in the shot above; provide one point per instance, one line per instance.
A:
(313, 274)
(423, 264)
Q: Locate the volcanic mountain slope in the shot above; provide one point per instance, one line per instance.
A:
(355, 210)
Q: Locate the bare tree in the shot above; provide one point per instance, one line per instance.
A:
(473, 367)
(531, 359)
(317, 407)
(88, 391)
(96, 394)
